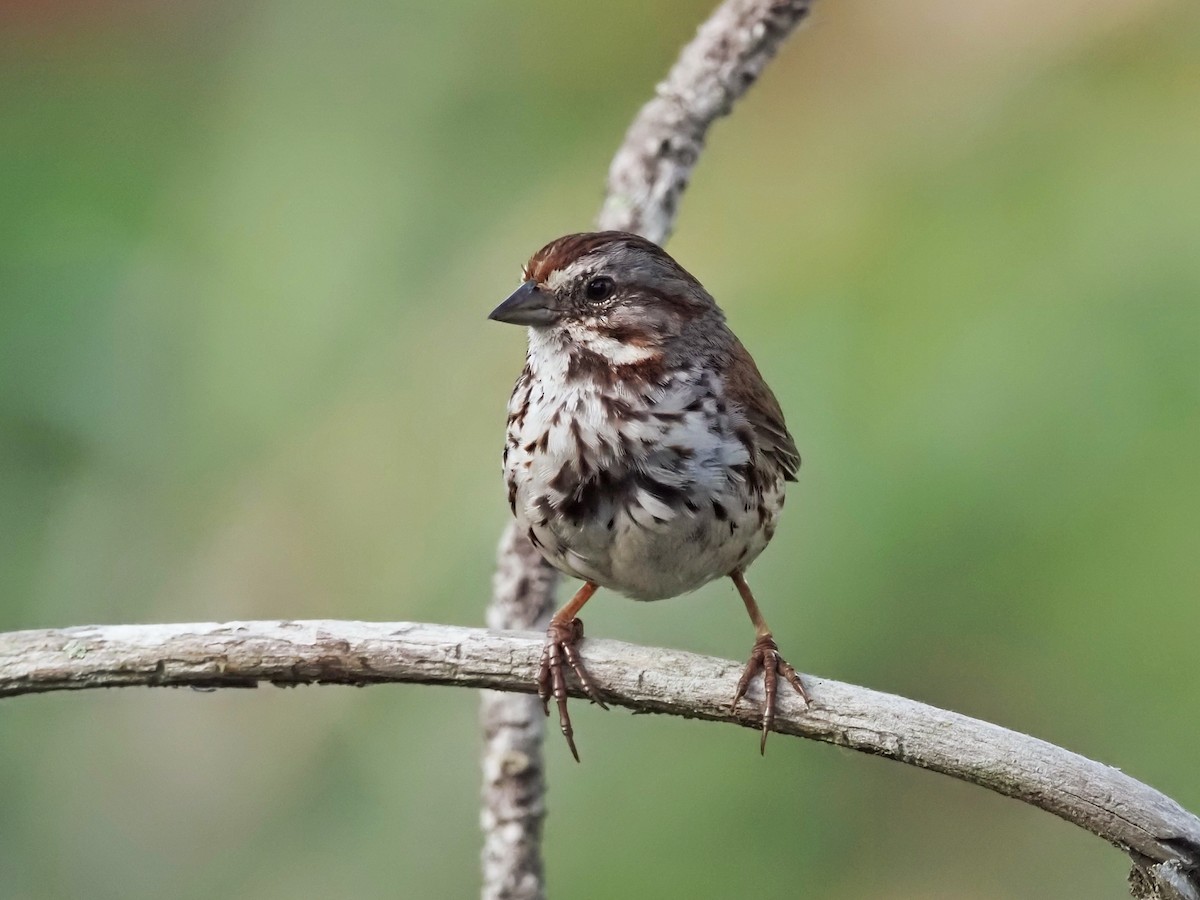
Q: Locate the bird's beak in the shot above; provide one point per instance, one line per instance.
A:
(526, 306)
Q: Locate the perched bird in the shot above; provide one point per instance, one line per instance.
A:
(644, 453)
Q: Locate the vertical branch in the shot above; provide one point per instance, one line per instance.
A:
(648, 175)
(514, 783)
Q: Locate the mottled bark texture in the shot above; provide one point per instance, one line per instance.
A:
(654, 163)
(514, 784)
(1161, 837)
(648, 175)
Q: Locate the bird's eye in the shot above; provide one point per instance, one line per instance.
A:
(598, 289)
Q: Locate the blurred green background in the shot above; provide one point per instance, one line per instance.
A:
(247, 250)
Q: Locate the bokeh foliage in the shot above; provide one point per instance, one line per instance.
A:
(244, 373)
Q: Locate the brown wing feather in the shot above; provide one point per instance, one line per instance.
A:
(746, 387)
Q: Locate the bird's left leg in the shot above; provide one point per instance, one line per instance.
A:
(764, 658)
(565, 631)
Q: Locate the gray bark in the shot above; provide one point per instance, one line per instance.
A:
(514, 786)
(651, 169)
(1162, 838)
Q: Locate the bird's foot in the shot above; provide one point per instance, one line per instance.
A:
(765, 658)
(561, 638)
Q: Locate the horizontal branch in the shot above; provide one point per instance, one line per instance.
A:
(1162, 837)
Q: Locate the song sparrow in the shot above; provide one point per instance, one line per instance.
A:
(645, 453)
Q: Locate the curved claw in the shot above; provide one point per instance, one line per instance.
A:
(561, 638)
(765, 658)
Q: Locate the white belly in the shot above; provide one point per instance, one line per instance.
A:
(650, 505)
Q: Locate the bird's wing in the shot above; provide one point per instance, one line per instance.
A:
(746, 387)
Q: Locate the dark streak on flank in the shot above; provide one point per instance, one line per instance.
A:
(626, 443)
(564, 480)
(581, 447)
(745, 434)
(622, 411)
(545, 509)
(606, 491)
(523, 381)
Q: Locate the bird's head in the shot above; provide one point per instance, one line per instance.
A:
(612, 293)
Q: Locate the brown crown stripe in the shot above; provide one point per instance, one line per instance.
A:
(561, 253)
